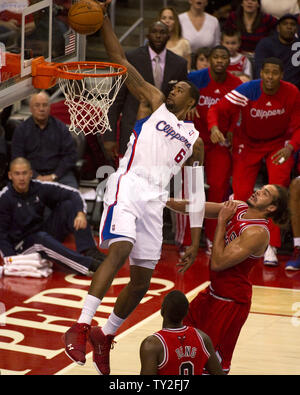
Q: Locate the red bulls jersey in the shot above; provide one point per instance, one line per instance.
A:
(233, 283)
(184, 351)
(210, 93)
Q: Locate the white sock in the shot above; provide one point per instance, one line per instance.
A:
(296, 241)
(112, 324)
(89, 309)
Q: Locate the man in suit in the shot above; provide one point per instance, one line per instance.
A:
(170, 69)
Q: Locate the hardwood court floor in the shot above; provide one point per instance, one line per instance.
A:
(269, 343)
(39, 311)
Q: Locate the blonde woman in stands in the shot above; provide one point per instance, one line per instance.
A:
(177, 44)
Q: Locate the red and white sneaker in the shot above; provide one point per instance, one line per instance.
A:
(75, 342)
(101, 344)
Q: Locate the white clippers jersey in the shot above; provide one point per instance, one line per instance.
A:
(158, 147)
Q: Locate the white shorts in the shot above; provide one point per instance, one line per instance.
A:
(138, 219)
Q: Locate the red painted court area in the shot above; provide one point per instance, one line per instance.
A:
(39, 311)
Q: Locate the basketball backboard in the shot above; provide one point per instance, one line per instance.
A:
(29, 29)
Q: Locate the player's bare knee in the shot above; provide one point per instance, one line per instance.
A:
(138, 290)
(118, 253)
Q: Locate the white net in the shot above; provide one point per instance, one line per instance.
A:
(90, 98)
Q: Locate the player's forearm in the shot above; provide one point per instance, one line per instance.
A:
(195, 236)
(218, 259)
(111, 43)
(213, 117)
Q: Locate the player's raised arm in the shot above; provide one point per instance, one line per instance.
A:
(136, 84)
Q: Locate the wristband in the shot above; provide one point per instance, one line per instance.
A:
(195, 194)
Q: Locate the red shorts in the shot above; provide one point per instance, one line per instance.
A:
(221, 319)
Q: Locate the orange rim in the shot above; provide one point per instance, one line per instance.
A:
(66, 74)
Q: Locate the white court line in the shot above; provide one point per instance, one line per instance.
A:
(134, 327)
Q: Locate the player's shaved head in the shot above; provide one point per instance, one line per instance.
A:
(175, 306)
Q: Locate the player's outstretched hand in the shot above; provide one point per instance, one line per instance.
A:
(282, 155)
(187, 259)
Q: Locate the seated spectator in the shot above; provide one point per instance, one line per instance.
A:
(278, 8)
(24, 230)
(252, 24)
(11, 16)
(47, 143)
(176, 42)
(92, 152)
(231, 39)
(283, 45)
(201, 59)
(199, 27)
(221, 9)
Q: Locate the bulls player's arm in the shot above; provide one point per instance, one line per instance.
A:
(135, 83)
(151, 355)
(213, 365)
(253, 241)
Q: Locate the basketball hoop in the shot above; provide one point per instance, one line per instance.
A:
(89, 88)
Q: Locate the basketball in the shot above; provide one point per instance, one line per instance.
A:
(85, 17)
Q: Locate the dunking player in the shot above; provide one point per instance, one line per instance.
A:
(131, 224)
(241, 238)
(214, 83)
(269, 129)
(178, 349)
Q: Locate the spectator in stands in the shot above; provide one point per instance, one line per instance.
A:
(221, 9)
(173, 68)
(201, 58)
(294, 262)
(199, 27)
(231, 39)
(24, 230)
(252, 24)
(269, 129)
(278, 8)
(176, 42)
(284, 45)
(47, 143)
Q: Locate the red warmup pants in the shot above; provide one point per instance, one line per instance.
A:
(221, 319)
(246, 165)
(218, 170)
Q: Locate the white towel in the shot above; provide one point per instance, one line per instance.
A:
(31, 265)
(33, 259)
